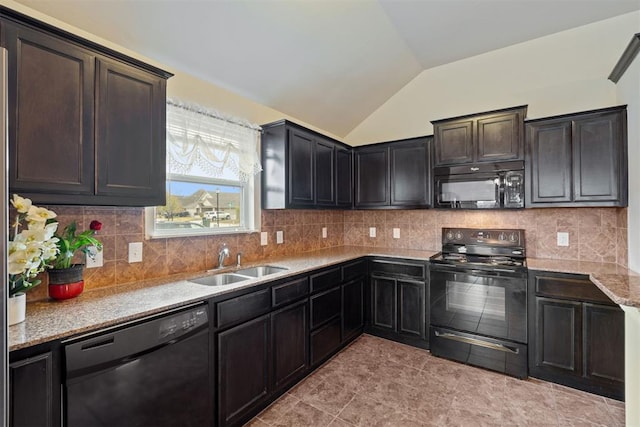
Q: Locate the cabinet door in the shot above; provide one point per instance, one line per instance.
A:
(325, 173)
(324, 306)
(131, 137)
(243, 369)
(344, 177)
(409, 176)
(549, 148)
(352, 308)
(453, 142)
(499, 138)
(30, 391)
(301, 168)
(411, 309)
(383, 303)
(597, 145)
(558, 337)
(51, 99)
(372, 177)
(604, 344)
(290, 343)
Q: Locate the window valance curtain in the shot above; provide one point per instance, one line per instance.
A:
(205, 142)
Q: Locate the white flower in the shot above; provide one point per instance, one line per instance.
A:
(50, 230)
(21, 204)
(36, 214)
(18, 262)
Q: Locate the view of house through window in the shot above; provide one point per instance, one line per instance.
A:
(212, 165)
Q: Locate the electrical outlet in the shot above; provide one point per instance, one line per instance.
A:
(135, 252)
(264, 238)
(372, 232)
(396, 233)
(324, 232)
(279, 237)
(93, 257)
(563, 238)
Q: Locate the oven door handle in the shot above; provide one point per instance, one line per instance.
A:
(494, 272)
(474, 341)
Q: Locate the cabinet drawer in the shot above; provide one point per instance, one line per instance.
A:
(325, 280)
(578, 288)
(354, 270)
(398, 268)
(289, 291)
(243, 308)
(325, 341)
(325, 306)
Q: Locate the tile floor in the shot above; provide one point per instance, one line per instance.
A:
(376, 382)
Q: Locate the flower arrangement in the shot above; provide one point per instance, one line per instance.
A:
(33, 248)
(69, 242)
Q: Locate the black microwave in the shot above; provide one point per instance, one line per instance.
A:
(480, 186)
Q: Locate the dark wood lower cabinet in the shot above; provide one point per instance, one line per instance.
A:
(31, 391)
(325, 341)
(243, 369)
(411, 308)
(383, 304)
(289, 330)
(576, 334)
(352, 308)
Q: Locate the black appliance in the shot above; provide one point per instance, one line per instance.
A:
(151, 373)
(480, 186)
(478, 299)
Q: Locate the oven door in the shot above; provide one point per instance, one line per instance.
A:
(492, 304)
(478, 191)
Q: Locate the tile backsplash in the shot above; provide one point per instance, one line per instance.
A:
(595, 234)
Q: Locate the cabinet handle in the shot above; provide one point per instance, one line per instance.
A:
(478, 342)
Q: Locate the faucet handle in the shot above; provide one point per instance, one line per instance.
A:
(238, 258)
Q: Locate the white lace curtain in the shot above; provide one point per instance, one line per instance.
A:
(203, 142)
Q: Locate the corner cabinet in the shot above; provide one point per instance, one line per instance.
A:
(484, 137)
(304, 169)
(578, 159)
(576, 334)
(86, 124)
(394, 174)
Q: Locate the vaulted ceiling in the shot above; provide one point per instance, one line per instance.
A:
(330, 63)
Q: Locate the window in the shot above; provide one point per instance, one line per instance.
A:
(212, 175)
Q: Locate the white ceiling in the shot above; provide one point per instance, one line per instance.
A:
(330, 63)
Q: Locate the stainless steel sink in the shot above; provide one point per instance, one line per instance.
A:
(220, 279)
(261, 270)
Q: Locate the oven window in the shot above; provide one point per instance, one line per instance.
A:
(469, 191)
(486, 302)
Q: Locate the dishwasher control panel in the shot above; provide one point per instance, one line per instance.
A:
(182, 323)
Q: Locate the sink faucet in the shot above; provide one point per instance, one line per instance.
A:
(224, 253)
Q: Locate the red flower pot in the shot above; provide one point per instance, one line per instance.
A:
(66, 283)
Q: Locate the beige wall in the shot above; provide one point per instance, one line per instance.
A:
(561, 73)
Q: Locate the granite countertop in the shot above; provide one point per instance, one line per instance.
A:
(618, 283)
(100, 308)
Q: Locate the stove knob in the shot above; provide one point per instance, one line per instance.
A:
(449, 235)
(513, 237)
(502, 237)
(459, 235)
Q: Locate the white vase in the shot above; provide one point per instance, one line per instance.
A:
(17, 307)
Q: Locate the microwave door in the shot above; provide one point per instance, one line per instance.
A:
(470, 193)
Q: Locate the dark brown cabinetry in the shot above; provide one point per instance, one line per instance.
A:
(398, 301)
(578, 159)
(576, 334)
(303, 169)
(395, 174)
(290, 342)
(86, 124)
(32, 393)
(484, 137)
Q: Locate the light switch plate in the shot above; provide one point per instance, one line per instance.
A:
(563, 238)
(396, 233)
(96, 260)
(324, 232)
(135, 252)
(264, 238)
(279, 237)
(372, 232)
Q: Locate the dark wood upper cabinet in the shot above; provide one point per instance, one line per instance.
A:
(484, 137)
(86, 124)
(394, 174)
(578, 159)
(303, 169)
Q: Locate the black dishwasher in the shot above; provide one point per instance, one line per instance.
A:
(155, 372)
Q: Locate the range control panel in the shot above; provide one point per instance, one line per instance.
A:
(485, 237)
